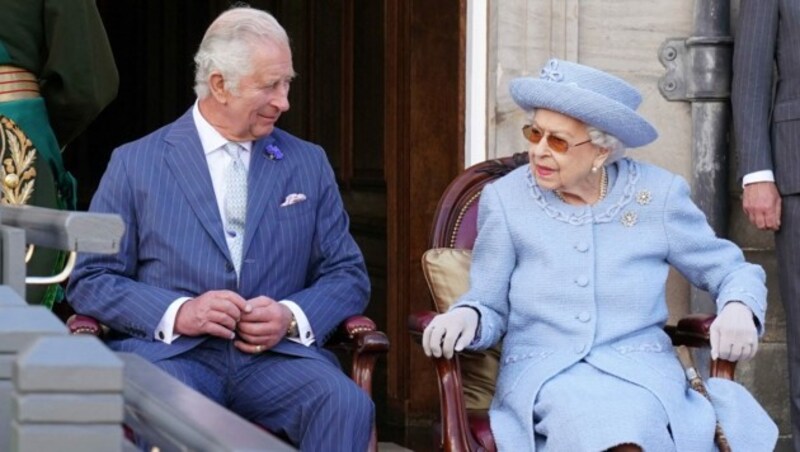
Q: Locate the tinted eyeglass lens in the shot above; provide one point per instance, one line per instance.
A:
(557, 144)
(531, 134)
(535, 135)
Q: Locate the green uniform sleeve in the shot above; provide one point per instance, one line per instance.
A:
(79, 77)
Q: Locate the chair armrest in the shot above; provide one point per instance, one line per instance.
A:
(693, 331)
(359, 336)
(456, 434)
(81, 324)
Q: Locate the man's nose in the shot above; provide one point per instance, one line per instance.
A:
(281, 100)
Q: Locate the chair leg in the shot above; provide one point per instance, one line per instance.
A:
(362, 368)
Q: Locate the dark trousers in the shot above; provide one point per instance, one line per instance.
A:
(787, 247)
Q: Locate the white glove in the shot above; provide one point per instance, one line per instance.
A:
(450, 331)
(733, 333)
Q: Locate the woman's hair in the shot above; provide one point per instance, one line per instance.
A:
(616, 150)
(228, 45)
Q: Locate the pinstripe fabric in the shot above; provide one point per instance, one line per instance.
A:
(767, 127)
(298, 398)
(174, 244)
(767, 131)
(787, 249)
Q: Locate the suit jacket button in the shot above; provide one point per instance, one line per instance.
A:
(228, 267)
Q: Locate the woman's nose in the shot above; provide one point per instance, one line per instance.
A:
(538, 149)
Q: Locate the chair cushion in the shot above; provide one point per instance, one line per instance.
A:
(447, 273)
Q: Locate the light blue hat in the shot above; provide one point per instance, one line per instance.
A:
(588, 95)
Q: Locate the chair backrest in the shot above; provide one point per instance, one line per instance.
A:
(446, 265)
(455, 220)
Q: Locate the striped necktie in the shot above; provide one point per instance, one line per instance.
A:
(235, 204)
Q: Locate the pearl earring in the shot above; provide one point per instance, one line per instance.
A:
(594, 169)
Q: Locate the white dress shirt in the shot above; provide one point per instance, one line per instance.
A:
(218, 160)
(758, 176)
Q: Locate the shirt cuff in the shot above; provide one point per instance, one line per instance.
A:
(758, 176)
(305, 334)
(166, 327)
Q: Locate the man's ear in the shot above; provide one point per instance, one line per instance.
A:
(216, 85)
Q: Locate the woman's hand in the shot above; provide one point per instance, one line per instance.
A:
(733, 333)
(449, 332)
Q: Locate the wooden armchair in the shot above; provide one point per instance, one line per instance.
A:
(358, 336)
(464, 420)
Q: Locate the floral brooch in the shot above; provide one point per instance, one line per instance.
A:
(273, 152)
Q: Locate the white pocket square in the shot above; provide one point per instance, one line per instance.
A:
(294, 198)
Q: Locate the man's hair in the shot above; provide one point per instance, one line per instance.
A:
(228, 45)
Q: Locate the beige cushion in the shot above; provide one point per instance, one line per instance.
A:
(447, 273)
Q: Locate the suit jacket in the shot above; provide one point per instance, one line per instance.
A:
(588, 283)
(174, 244)
(767, 124)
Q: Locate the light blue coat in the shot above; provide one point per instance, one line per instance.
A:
(544, 272)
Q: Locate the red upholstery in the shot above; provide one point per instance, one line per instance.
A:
(455, 227)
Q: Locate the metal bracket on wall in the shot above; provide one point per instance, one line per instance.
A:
(698, 68)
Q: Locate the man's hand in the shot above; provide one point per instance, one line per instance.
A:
(450, 332)
(215, 312)
(733, 333)
(762, 204)
(264, 326)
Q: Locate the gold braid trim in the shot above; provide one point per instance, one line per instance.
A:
(460, 218)
(17, 173)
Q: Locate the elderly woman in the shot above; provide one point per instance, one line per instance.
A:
(569, 270)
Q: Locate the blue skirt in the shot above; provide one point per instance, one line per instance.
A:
(586, 409)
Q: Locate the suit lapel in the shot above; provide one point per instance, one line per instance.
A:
(188, 165)
(264, 184)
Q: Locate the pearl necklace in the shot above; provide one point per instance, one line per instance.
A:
(603, 188)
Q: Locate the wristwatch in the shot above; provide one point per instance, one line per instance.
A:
(292, 331)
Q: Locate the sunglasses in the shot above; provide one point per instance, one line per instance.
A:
(555, 143)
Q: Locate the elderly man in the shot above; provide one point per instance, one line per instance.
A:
(237, 263)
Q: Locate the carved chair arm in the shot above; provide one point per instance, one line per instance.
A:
(456, 436)
(359, 336)
(693, 331)
(82, 324)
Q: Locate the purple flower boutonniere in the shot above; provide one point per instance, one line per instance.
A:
(273, 152)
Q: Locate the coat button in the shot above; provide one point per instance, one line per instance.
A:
(228, 267)
(580, 348)
(582, 247)
(582, 281)
(584, 316)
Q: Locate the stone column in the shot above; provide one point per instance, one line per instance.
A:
(20, 325)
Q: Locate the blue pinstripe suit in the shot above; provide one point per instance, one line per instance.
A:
(766, 114)
(174, 246)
